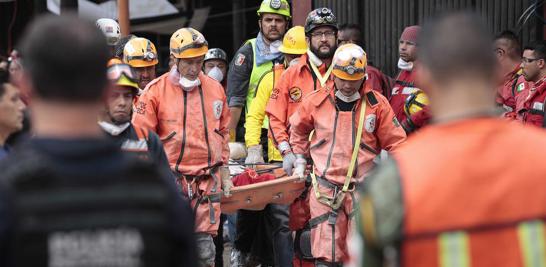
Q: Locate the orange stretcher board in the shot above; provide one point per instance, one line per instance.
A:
(256, 196)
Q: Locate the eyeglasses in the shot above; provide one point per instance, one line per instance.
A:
(529, 60)
(328, 34)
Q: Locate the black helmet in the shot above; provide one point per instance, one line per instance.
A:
(320, 17)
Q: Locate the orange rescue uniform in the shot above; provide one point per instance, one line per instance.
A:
(193, 128)
(498, 218)
(331, 147)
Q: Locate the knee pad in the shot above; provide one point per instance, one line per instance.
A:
(302, 244)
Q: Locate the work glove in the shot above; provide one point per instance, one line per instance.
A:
(227, 184)
(288, 163)
(254, 155)
(300, 164)
(237, 151)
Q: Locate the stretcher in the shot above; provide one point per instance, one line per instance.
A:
(282, 190)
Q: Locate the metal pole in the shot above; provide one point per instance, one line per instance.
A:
(237, 24)
(123, 17)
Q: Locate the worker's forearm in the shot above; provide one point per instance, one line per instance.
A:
(235, 115)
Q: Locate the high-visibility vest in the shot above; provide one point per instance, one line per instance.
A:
(255, 77)
(474, 194)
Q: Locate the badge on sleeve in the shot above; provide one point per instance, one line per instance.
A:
(369, 125)
(217, 108)
(240, 59)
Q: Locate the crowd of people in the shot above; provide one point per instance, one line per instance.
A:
(105, 162)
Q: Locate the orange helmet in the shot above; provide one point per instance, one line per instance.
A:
(349, 62)
(188, 43)
(140, 52)
(113, 61)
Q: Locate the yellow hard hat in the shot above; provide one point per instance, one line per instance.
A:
(280, 7)
(415, 102)
(140, 52)
(294, 41)
(349, 62)
(188, 43)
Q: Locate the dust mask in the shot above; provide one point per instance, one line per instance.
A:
(188, 85)
(216, 74)
(404, 65)
(348, 99)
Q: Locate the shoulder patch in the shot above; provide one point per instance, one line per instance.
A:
(520, 87)
(217, 107)
(295, 94)
(369, 124)
(240, 59)
(371, 98)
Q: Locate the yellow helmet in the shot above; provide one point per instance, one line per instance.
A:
(188, 43)
(113, 61)
(294, 41)
(140, 52)
(349, 62)
(415, 102)
(280, 7)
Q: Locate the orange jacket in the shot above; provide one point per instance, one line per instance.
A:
(294, 85)
(192, 125)
(332, 143)
(494, 171)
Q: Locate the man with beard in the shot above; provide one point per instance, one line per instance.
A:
(141, 55)
(256, 57)
(116, 119)
(311, 73)
(533, 64)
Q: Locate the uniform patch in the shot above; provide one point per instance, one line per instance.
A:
(217, 108)
(520, 88)
(538, 106)
(369, 124)
(395, 122)
(140, 108)
(275, 4)
(240, 59)
(295, 94)
(274, 93)
(395, 90)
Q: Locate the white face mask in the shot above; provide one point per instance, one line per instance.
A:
(113, 129)
(294, 61)
(404, 65)
(348, 99)
(216, 74)
(188, 85)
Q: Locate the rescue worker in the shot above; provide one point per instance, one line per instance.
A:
(86, 202)
(310, 74)
(511, 80)
(116, 118)
(256, 57)
(188, 110)
(112, 32)
(141, 55)
(11, 112)
(534, 70)
(472, 216)
(276, 216)
(294, 45)
(405, 80)
(352, 34)
(215, 65)
(341, 157)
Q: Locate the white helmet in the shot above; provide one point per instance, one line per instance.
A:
(111, 30)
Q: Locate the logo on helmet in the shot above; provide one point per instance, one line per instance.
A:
(275, 4)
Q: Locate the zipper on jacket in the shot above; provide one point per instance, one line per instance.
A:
(209, 157)
(185, 96)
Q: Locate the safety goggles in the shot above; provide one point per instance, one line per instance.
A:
(116, 71)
